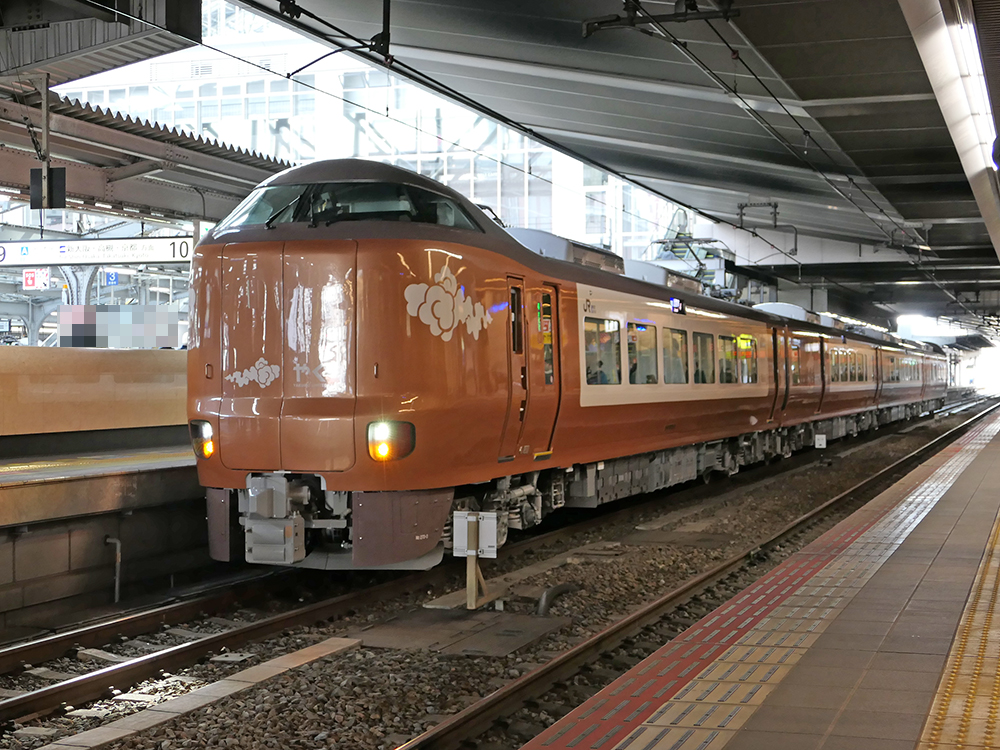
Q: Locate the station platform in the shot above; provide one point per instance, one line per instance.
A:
(56, 468)
(48, 488)
(880, 635)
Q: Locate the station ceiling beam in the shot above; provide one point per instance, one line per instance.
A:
(841, 122)
(70, 39)
(115, 164)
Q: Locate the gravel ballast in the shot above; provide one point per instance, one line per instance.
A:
(378, 698)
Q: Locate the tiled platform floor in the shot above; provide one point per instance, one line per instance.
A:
(842, 646)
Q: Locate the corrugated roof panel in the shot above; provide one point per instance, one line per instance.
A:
(147, 129)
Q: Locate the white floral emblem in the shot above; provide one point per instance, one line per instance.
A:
(443, 306)
(261, 373)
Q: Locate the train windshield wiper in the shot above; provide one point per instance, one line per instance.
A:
(280, 211)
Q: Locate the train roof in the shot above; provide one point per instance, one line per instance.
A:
(354, 170)
(491, 237)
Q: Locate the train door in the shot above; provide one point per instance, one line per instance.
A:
(542, 351)
(517, 372)
(252, 351)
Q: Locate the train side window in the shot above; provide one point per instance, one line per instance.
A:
(727, 359)
(642, 356)
(834, 366)
(747, 347)
(844, 367)
(852, 358)
(796, 367)
(603, 348)
(545, 327)
(675, 356)
(704, 358)
(516, 327)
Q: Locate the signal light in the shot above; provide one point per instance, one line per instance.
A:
(202, 438)
(389, 441)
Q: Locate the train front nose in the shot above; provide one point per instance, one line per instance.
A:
(317, 416)
(288, 341)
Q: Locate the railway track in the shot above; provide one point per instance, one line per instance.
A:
(99, 683)
(476, 719)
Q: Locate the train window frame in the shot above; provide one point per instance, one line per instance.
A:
(297, 203)
(649, 351)
(516, 319)
(852, 366)
(545, 329)
(795, 361)
(834, 365)
(675, 365)
(746, 363)
(615, 356)
(728, 361)
(709, 339)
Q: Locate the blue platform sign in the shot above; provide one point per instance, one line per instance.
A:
(111, 278)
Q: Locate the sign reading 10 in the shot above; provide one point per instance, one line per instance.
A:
(180, 250)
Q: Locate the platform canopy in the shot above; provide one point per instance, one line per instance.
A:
(825, 108)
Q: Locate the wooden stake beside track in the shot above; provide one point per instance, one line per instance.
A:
(474, 580)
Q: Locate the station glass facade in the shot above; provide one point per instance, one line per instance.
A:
(237, 90)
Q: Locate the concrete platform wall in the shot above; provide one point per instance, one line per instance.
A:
(49, 569)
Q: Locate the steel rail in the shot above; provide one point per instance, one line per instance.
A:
(94, 685)
(478, 717)
(57, 644)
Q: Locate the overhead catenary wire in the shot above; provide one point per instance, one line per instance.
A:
(437, 87)
(683, 48)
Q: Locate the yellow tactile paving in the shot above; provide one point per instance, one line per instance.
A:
(967, 705)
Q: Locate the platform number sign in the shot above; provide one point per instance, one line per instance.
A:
(180, 250)
(111, 278)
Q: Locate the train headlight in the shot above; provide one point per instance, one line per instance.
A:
(388, 441)
(202, 438)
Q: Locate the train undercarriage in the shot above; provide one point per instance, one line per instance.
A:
(292, 519)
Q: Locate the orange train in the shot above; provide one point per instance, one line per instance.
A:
(370, 352)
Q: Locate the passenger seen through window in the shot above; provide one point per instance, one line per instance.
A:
(642, 358)
(704, 358)
(602, 351)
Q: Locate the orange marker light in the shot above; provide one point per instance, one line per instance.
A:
(389, 441)
(202, 438)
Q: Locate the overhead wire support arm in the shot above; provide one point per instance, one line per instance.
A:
(685, 10)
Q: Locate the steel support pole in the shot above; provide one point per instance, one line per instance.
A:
(43, 89)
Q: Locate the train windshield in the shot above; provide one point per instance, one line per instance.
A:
(331, 202)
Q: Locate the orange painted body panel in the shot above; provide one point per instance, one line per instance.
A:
(319, 363)
(252, 345)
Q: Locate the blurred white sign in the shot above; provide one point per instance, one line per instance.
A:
(96, 252)
(36, 279)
